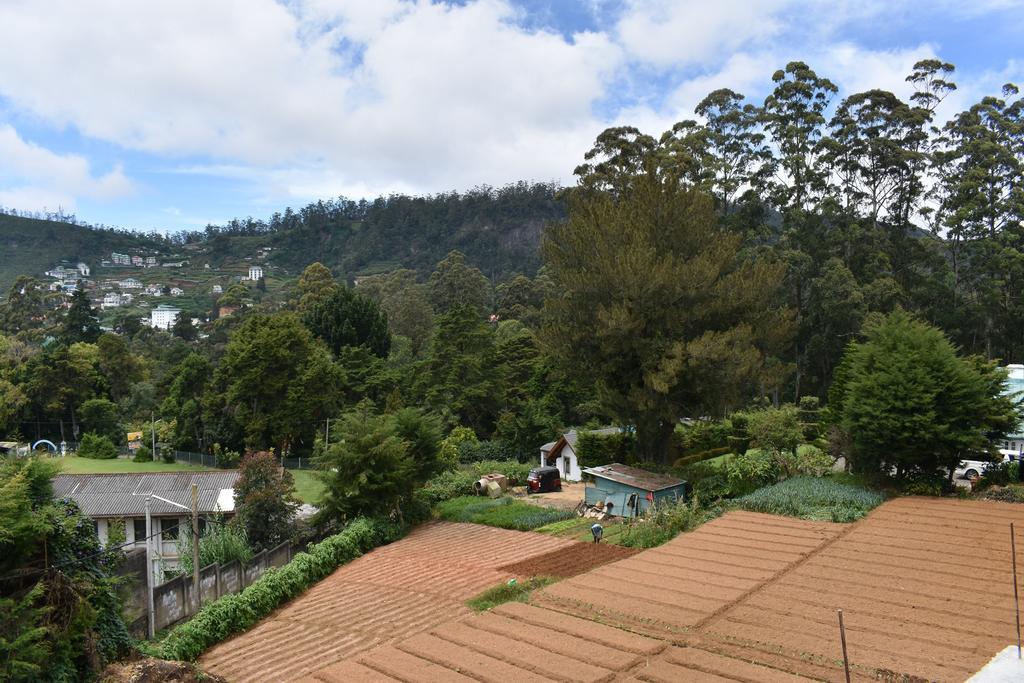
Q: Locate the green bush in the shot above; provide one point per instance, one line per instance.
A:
(235, 613)
(811, 498)
(505, 513)
(167, 455)
(706, 481)
(999, 474)
(447, 485)
(751, 471)
(96, 447)
(665, 521)
(495, 449)
(515, 471)
(593, 449)
(143, 454)
(221, 543)
(812, 461)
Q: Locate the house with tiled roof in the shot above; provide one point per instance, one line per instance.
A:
(116, 503)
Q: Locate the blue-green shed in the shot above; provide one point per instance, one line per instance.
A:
(628, 491)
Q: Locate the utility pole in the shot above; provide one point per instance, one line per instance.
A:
(195, 548)
(152, 433)
(149, 571)
(327, 436)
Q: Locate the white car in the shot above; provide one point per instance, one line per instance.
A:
(972, 469)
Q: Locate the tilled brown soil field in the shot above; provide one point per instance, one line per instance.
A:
(675, 587)
(570, 561)
(925, 586)
(393, 592)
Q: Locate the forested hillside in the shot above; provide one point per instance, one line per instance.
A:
(498, 230)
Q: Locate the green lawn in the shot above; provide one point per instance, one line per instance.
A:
(75, 465)
(307, 487)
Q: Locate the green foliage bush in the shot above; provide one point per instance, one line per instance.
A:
(752, 470)
(999, 474)
(514, 470)
(96, 447)
(447, 485)
(705, 481)
(495, 449)
(235, 613)
(663, 522)
(703, 435)
(506, 513)
(221, 543)
(143, 454)
(593, 449)
(811, 498)
(812, 461)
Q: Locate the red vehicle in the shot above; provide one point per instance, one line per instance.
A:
(543, 479)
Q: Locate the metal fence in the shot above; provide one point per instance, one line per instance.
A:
(207, 460)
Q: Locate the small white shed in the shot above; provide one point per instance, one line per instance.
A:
(562, 453)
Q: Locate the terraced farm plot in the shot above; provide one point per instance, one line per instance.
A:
(674, 588)
(393, 592)
(925, 586)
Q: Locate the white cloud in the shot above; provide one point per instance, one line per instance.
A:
(688, 32)
(314, 98)
(33, 177)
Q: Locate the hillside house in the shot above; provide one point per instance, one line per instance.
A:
(116, 503)
(562, 453)
(162, 317)
(154, 290)
(83, 269)
(255, 272)
(137, 261)
(151, 261)
(111, 299)
(627, 491)
(120, 259)
(217, 289)
(1015, 388)
(173, 264)
(63, 273)
(130, 283)
(177, 291)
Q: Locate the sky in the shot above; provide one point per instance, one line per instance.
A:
(173, 115)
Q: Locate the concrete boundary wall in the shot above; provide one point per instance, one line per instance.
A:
(173, 601)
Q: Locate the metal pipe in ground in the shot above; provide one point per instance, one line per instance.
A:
(1016, 599)
(842, 638)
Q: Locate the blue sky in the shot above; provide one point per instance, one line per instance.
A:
(171, 115)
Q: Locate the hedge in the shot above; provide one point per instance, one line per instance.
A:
(235, 613)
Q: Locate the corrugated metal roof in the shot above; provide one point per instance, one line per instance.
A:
(632, 476)
(124, 495)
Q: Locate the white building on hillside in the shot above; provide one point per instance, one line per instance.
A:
(255, 272)
(83, 270)
(130, 283)
(177, 291)
(162, 317)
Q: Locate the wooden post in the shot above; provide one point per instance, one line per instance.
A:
(198, 598)
(842, 638)
(1016, 599)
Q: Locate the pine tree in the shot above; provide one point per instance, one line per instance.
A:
(81, 324)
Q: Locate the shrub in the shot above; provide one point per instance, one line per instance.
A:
(96, 447)
(226, 459)
(143, 454)
(1012, 493)
(663, 522)
(751, 471)
(167, 455)
(447, 485)
(705, 481)
(495, 449)
(812, 461)
(235, 613)
(514, 470)
(593, 449)
(811, 498)
(999, 474)
(221, 543)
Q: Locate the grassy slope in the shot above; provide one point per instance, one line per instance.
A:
(307, 487)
